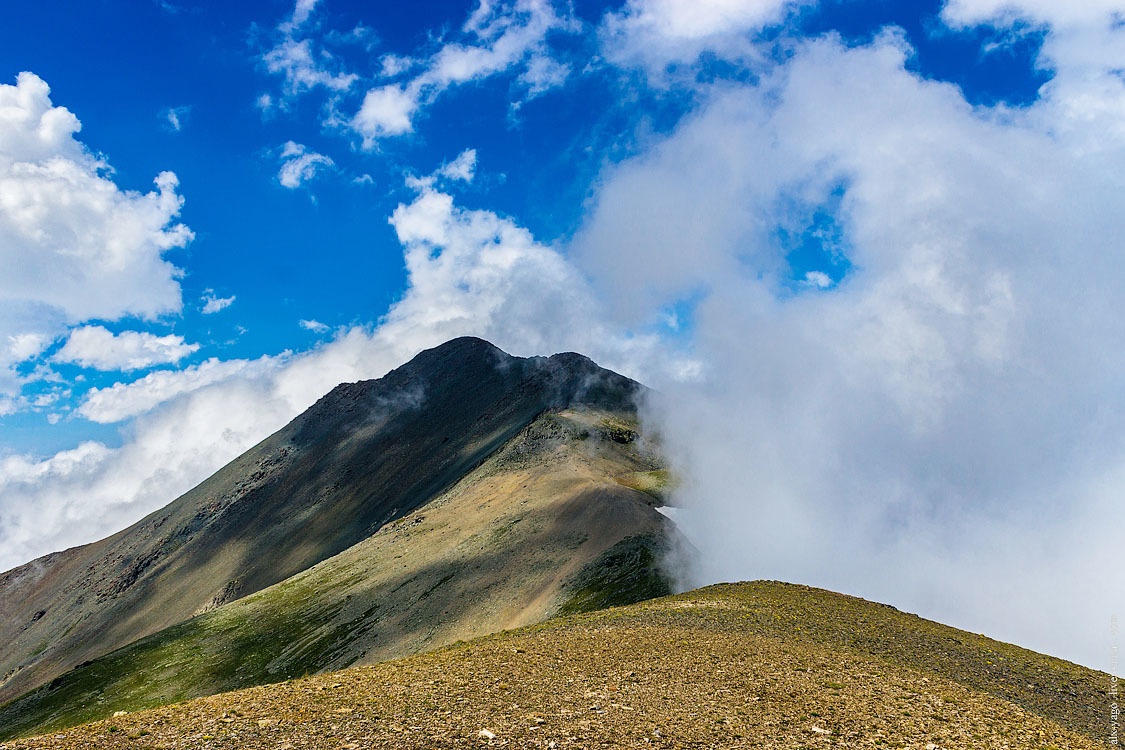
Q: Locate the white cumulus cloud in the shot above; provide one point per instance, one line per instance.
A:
(658, 33)
(97, 347)
(24, 346)
(463, 168)
(819, 279)
(73, 245)
(385, 111)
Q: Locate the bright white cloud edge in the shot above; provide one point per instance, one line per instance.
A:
(97, 347)
(73, 244)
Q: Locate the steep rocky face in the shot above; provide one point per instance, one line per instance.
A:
(364, 455)
(553, 521)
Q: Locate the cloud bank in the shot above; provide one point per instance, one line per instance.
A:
(121, 401)
(941, 430)
(470, 272)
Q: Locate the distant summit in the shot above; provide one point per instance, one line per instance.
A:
(463, 492)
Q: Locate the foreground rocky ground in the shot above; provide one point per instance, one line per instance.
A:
(746, 665)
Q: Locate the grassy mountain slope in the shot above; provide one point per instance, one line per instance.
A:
(363, 456)
(543, 524)
(763, 664)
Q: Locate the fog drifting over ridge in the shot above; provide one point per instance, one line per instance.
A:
(939, 428)
(942, 429)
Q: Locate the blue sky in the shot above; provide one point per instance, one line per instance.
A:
(840, 235)
(122, 67)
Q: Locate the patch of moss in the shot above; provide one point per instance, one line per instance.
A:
(655, 484)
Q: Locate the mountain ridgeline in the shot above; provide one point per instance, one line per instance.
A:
(469, 512)
(465, 492)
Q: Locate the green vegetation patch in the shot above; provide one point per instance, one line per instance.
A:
(626, 573)
(214, 652)
(655, 484)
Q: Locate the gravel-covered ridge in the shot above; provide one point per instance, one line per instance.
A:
(744, 665)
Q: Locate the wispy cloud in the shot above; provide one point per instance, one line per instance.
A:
(304, 69)
(461, 169)
(495, 38)
(175, 118)
(299, 165)
(301, 12)
(213, 304)
(302, 63)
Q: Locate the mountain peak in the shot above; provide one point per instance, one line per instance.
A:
(365, 455)
(460, 348)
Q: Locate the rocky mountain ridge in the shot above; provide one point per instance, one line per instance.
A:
(364, 456)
